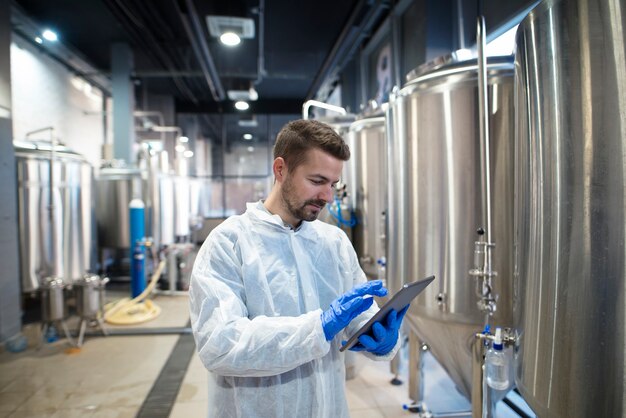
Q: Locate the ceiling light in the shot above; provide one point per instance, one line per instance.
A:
(247, 137)
(250, 149)
(188, 153)
(230, 39)
(180, 148)
(38, 40)
(48, 35)
(183, 139)
(241, 105)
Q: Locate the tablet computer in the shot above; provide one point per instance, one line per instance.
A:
(402, 298)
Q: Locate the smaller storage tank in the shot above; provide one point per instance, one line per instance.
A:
(116, 187)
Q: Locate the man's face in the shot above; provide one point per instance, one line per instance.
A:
(310, 186)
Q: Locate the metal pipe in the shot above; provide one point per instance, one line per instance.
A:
(416, 363)
(461, 24)
(194, 31)
(123, 332)
(314, 103)
(478, 363)
(364, 16)
(484, 131)
(261, 58)
(105, 122)
(164, 129)
(159, 115)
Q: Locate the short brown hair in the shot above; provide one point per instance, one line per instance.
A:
(299, 136)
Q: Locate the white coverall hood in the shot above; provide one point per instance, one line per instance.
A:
(257, 291)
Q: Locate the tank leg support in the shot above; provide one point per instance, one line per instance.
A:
(394, 366)
(83, 327)
(66, 331)
(416, 376)
(481, 407)
(81, 333)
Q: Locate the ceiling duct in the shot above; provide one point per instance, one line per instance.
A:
(364, 17)
(195, 33)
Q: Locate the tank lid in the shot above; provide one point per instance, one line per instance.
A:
(373, 109)
(368, 122)
(89, 280)
(121, 172)
(43, 146)
(52, 282)
(455, 62)
(338, 121)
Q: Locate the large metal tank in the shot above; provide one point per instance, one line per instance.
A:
(570, 208)
(368, 193)
(71, 255)
(168, 203)
(436, 201)
(116, 187)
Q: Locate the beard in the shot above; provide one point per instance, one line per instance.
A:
(299, 209)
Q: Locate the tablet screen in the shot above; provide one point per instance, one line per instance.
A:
(402, 298)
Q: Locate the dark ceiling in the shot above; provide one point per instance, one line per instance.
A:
(299, 39)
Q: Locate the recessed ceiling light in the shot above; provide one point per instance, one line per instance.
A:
(38, 40)
(180, 148)
(241, 105)
(230, 39)
(183, 139)
(247, 137)
(48, 35)
(250, 149)
(188, 153)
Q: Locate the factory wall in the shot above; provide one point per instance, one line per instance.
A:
(10, 319)
(46, 94)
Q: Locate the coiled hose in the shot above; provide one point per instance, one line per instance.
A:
(135, 311)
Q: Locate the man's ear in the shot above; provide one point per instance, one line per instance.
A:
(280, 169)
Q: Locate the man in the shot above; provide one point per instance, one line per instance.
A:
(273, 289)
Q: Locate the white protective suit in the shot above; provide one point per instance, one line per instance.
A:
(257, 291)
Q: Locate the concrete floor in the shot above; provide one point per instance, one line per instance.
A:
(112, 376)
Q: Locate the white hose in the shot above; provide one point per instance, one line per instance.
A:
(135, 311)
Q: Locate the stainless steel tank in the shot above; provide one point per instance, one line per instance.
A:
(90, 295)
(52, 300)
(570, 208)
(116, 187)
(436, 202)
(368, 193)
(63, 248)
(168, 201)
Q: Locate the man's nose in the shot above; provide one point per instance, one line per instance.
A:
(327, 194)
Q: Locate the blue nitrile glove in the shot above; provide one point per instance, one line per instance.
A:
(350, 305)
(385, 337)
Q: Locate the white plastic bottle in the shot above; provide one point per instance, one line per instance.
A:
(497, 365)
